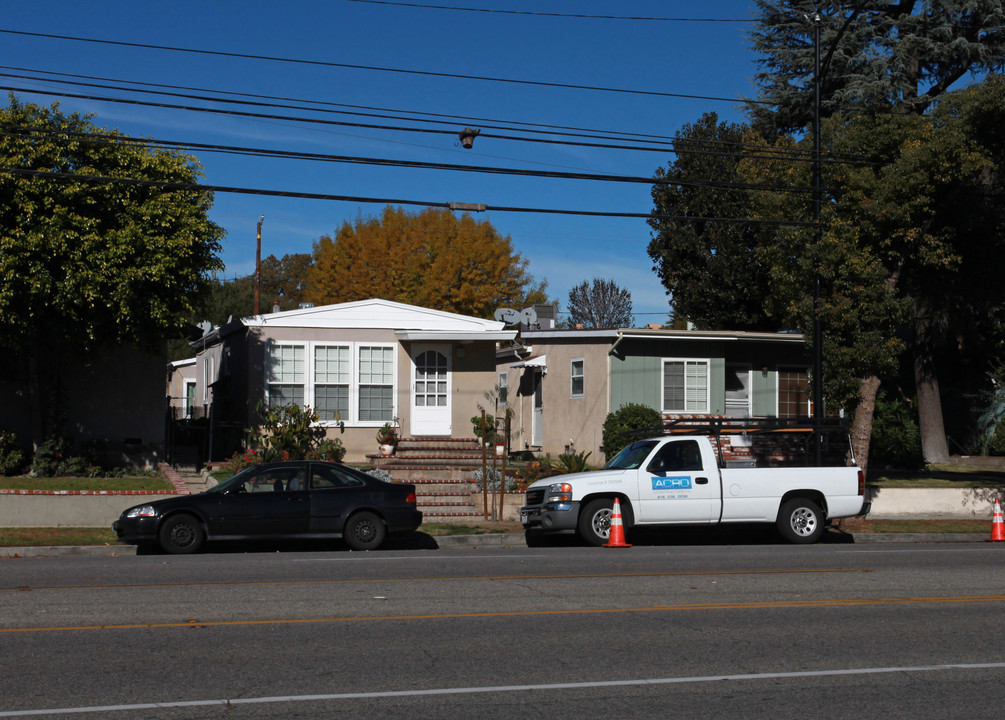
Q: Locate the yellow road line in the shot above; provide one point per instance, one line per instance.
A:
(769, 604)
(574, 576)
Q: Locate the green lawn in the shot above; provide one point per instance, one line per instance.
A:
(48, 537)
(143, 482)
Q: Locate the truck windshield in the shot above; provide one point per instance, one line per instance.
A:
(632, 456)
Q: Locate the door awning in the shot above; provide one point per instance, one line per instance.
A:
(536, 361)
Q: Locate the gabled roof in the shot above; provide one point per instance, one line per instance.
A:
(409, 321)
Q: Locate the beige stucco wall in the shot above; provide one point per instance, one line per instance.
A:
(575, 424)
(472, 376)
(569, 424)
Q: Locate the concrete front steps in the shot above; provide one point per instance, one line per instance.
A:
(443, 472)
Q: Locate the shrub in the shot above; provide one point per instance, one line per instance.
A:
(50, 457)
(287, 433)
(12, 458)
(632, 416)
(329, 449)
(379, 473)
(493, 475)
(896, 439)
(533, 471)
(241, 460)
(573, 462)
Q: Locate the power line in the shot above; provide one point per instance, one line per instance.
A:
(442, 118)
(375, 68)
(766, 152)
(165, 185)
(551, 14)
(438, 118)
(98, 138)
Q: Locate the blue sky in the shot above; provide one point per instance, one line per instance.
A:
(648, 55)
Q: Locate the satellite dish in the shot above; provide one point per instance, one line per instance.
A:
(528, 316)
(507, 315)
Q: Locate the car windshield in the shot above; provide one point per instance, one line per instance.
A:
(632, 456)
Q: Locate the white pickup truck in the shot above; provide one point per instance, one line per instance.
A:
(677, 480)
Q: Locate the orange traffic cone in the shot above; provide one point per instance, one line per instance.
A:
(617, 536)
(997, 525)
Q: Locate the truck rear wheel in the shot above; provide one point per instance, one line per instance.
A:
(595, 521)
(801, 521)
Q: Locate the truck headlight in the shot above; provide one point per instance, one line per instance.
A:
(559, 493)
(141, 511)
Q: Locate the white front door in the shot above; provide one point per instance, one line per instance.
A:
(430, 390)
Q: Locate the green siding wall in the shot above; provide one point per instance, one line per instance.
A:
(637, 370)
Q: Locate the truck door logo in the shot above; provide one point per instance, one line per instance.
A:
(676, 482)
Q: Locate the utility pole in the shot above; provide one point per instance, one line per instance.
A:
(258, 264)
(818, 350)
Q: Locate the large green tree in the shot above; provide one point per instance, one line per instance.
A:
(707, 262)
(878, 57)
(432, 258)
(876, 54)
(87, 264)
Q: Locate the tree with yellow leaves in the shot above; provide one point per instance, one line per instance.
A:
(432, 258)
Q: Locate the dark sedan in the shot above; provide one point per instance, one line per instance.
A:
(283, 500)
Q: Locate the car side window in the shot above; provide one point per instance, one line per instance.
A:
(683, 456)
(329, 478)
(281, 479)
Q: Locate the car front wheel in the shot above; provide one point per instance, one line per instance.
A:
(181, 535)
(364, 531)
(595, 521)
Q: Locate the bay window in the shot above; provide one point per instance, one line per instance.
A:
(352, 382)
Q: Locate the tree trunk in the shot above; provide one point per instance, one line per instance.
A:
(934, 447)
(861, 429)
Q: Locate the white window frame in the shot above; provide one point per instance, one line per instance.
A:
(347, 383)
(708, 385)
(309, 346)
(573, 377)
(502, 382)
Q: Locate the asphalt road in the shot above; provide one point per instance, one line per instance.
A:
(904, 631)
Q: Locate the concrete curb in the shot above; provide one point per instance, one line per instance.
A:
(474, 542)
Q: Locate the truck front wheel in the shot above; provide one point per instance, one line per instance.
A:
(801, 521)
(595, 521)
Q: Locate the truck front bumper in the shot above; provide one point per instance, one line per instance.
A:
(553, 517)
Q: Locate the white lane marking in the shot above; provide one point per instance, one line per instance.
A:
(502, 688)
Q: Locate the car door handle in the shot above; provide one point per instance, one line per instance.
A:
(701, 481)
(298, 498)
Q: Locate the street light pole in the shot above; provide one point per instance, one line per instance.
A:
(258, 264)
(818, 351)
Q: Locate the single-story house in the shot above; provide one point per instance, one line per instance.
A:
(358, 364)
(561, 384)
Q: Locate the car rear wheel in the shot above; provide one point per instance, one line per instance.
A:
(181, 535)
(364, 531)
(801, 521)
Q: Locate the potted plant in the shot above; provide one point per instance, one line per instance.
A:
(387, 438)
(500, 442)
(484, 435)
